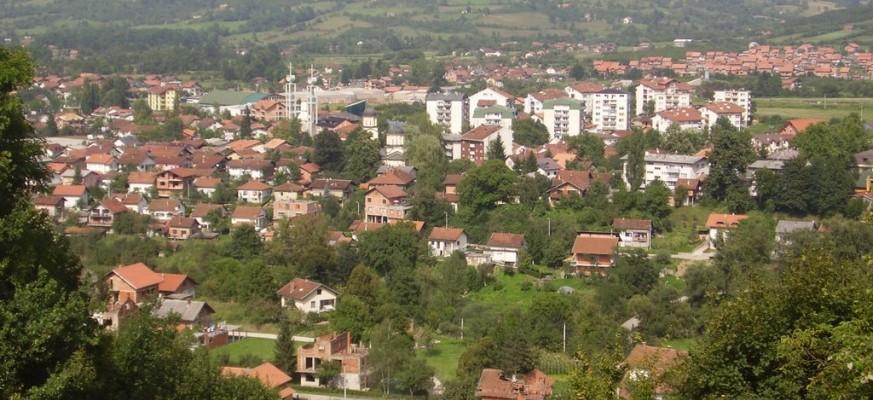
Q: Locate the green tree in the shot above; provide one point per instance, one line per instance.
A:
(679, 141)
(362, 158)
(142, 113)
(328, 151)
(390, 248)
(588, 147)
(731, 153)
(495, 150)
(244, 243)
(245, 126)
(483, 187)
(285, 353)
(634, 148)
(128, 223)
(89, 98)
(528, 132)
(427, 155)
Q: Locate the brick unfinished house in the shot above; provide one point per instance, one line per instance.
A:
(334, 348)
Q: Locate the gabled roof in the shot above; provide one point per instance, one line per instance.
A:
(244, 212)
(164, 205)
(657, 359)
(182, 222)
(172, 282)
(299, 289)
(269, 375)
(69, 190)
(114, 206)
(138, 276)
(141, 178)
(446, 234)
(330, 184)
(188, 310)
(800, 125)
(723, 107)
(684, 114)
(632, 224)
(392, 177)
(480, 132)
(48, 201)
(254, 185)
(390, 191)
(587, 87)
(592, 243)
(548, 94)
(201, 210)
(206, 182)
(452, 179)
(503, 239)
(727, 221)
(785, 226)
(289, 187)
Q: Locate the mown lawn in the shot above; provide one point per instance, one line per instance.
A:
(262, 349)
(443, 357)
(681, 344)
(686, 222)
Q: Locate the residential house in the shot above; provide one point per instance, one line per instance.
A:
(135, 282)
(101, 163)
(134, 202)
(386, 203)
(649, 362)
(176, 286)
(254, 192)
(503, 248)
(341, 189)
(53, 206)
(141, 182)
(740, 97)
(288, 191)
(308, 172)
(257, 169)
(75, 196)
(206, 185)
(569, 183)
(445, 241)
(795, 127)
(663, 93)
(494, 384)
(669, 168)
(733, 113)
(685, 118)
(182, 228)
(103, 214)
(548, 167)
(448, 110)
(269, 375)
(490, 97)
(610, 110)
(633, 232)
(163, 210)
(307, 296)
(785, 229)
(288, 209)
(393, 177)
(175, 182)
(201, 211)
(244, 215)
(475, 142)
(594, 253)
(563, 118)
(87, 178)
(353, 361)
(269, 110)
(136, 159)
(191, 314)
(864, 161)
(720, 224)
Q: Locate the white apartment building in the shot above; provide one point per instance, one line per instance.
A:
(584, 92)
(610, 110)
(740, 97)
(563, 117)
(687, 118)
(489, 97)
(669, 168)
(666, 93)
(720, 109)
(534, 102)
(493, 115)
(449, 110)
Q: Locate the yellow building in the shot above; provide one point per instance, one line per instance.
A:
(163, 98)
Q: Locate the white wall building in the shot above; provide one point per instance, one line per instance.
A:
(449, 110)
(534, 102)
(687, 118)
(307, 296)
(666, 93)
(489, 97)
(493, 115)
(610, 110)
(740, 97)
(563, 118)
(669, 168)
(584, 92)
(719, 109)
(445, 241)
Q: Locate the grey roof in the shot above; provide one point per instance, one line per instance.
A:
(785, 226)
(784, 154)
(396, 127)
(187, 310)
(481, 112)
(547, 164)
(673, 158)
(395, 156)
(444, 97)
(775, 165)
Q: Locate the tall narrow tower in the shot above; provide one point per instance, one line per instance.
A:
(292, 107)
(311, 103)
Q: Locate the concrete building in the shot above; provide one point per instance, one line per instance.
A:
(445, 241)
(664, 93)
(719, 109)
(474, 144)
(686, 118)
(448, 110)
(307, 296)
(489, 97)
(493, 115)
(610, 110)
(740, 97)
(563, 118)
(162, 98)
(354, 368)
(584, 92)
(670, 168)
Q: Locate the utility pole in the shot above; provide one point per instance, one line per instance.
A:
(462, 328)
(550, 226)
(565, 337)
(447, 219)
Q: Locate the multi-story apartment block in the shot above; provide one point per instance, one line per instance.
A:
(474, 144)
(489, 97)
(163, 98)
(670, 168)
(664, 93)
(584, 92)
(563, 117)
(686, 118)
(534, 102)
(610, 110)
(720, 109)
(493, 115)
(448, 110)
(740, 97)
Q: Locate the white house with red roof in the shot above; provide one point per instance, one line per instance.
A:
(74, 195)
(445, 241)
(307, 296)
(686, 118)
(254, 192)
(734, 113)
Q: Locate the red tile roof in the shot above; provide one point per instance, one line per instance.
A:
(727, 221)
(299, 289)
(591, 243)
(69, 190)
(685, 114)
(445, 234)
(633, 224)
(172, 282)
(138, 275)
(269, 375)
(503, 239)
(480, 132)
(254, 185)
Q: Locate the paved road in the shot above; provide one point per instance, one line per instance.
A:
(270, 336)
(698, 254)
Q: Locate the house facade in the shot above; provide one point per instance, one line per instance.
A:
(664, 93)
(594, 253)
(670, 168)
(563, 118)
(445, 241)
(307, 296)
(610, 110)
(385, 204)
(635, 233)
(352, 358)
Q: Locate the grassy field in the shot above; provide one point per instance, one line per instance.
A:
(815, 107)
(443, 357)
(512, 289)
(681, 344)
(686, 221)
(262, 349)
